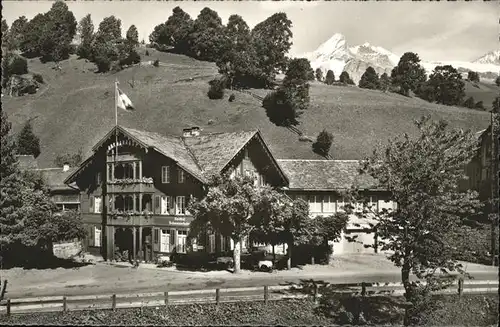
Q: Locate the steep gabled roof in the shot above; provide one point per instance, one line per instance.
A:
(170, 146)
(323, 175)
(200, 156)
(214, 151)
(55, 177)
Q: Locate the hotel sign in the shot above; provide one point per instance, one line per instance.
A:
(178, 221)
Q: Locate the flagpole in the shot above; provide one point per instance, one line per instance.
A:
(116, 119)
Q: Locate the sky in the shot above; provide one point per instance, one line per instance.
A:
(461, 31)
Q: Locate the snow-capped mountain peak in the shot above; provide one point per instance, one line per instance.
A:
(492, 57)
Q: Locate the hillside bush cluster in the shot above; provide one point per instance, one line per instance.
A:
(12, 64)
(247, 58)
(216, 90)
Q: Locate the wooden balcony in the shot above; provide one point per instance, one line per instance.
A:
(131, 186)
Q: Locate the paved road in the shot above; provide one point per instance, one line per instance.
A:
(149, 280)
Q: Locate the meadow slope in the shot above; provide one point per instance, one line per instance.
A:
(75, 108)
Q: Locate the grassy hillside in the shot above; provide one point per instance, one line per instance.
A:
(75, 108)
(486, 92)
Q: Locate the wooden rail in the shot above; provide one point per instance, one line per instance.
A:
(165, 298)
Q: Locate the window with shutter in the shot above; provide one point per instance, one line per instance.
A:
(328, 204)
(165, 205)
(180, 176)
(91, 204)
(97, 204)
(97, 236)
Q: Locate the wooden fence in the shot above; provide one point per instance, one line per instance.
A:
(216, 296)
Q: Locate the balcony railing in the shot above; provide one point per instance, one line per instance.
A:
(142, 185)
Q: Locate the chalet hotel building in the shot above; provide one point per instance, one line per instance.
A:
(134, 189)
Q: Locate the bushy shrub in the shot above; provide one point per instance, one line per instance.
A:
(232, 97)
(147, 53)
(116, 67)
(18, 66)
(323, 143)
(133, 58)
(156, 63)
(216, 90)
(38, 78)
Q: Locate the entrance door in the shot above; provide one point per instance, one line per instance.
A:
(165, 240)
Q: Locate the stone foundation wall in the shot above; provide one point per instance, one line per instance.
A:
(67, 250)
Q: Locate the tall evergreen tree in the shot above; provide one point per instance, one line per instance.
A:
(33, 35)
(7, 149)
(345, 78)
(473, 76)
(330, 77)
(369, 79)
(319, 75)
(408, 74)
(27, 142)
(86, 31)
(384, 82)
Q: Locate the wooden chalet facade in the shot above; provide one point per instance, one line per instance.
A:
(322, 182)
(136, 186)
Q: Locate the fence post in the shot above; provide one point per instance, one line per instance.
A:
(4, 287)
(8, 307)
(266, 294)
(460, 286)
(65, 304)
(217, 296)
(113, 301)
(363, 289)
(315, 294)
(165, 294)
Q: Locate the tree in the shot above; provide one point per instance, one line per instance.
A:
(31, 42)
(319, 75)
(207, 40)
(133, 35)
(216, 90)
(105, 46)
(238, 60)
(58, 33)
(408, 73)
(473, 76)
(496, 105)
(345, 78)
(272, 41)
(469, 103)
(17, 33)
(446, 81)
(228, 208)
(27, 142)
(5, 32)
(422, 175)
(330, 77)
(384, 82)
(497, 81)
(8, 161)
(175, 32)
(323, 143)
(285, 105)
(369, 79)
(86, 32)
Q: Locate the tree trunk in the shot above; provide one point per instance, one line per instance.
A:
(289, 260)
(405, 278)
(274, 256)
(237, 255)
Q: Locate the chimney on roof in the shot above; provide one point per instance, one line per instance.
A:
(66, 166)
(193, 131)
